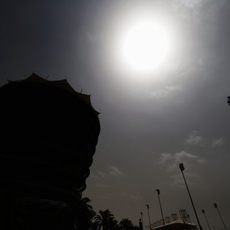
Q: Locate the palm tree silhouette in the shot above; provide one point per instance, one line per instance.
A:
(84, 214)
(126, 224)
(105, 220)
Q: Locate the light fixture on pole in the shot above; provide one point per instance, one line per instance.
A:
(206, 219)
(142, 218)
(181, 166)
(147, 205)
(140, 224)
(221, 218)
(159, 199)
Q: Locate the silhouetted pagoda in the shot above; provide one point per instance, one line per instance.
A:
(48, 137)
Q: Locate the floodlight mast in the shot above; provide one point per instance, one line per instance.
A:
(206, 219)
(142, 217)
(159, 199)
(147, 205)
(181, 166)
(221, 218)
(140, 224)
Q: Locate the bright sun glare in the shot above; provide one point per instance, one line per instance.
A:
(144, 45)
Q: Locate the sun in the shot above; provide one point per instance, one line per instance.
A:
(144, 45)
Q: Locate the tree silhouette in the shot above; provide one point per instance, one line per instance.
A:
(84, 214)
(126, 224)
(105, 220)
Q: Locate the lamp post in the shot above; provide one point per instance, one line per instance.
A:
(221, 218)
(142, 218)
(181, 166)
(159, 199)
(147, 205)
(140, 224)
(206, 219)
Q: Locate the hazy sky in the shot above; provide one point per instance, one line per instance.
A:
(149, 123)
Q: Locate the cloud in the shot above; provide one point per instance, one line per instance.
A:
(165, 157)
(191, 3)
(166, 91)
(180, 156)
(97, 175)
(218, 142)
(193, 138)
(196, 4)
(113, 170)
(172, 160)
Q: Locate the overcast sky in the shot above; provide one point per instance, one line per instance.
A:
(149, 124)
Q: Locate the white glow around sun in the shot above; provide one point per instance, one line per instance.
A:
(144, 45)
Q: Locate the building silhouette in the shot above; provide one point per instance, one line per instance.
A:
(177, 221)
(48, 138)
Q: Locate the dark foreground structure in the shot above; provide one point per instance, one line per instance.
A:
(177, 226)
(48, 136)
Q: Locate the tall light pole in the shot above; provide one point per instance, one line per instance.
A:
(206, 219)
(221, 218)
(147, 205)
(140, 224)
(159, 199)
(181, 166)
(142, 218)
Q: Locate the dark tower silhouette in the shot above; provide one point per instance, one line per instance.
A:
(228, 100)
(48, 136)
